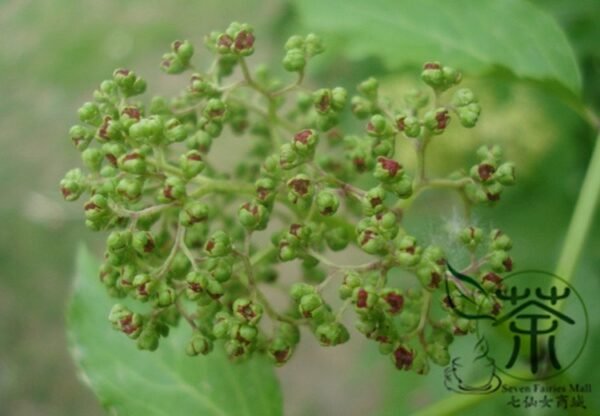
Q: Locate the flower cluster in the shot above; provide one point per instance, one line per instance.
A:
(184, 227)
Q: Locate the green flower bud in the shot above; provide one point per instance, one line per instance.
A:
(337, 238)
(369, 88)
(364, 299)
(220, 268)
(371, 241)
(451, 75)
(72, 185)
(173, 189)
(304, 102)
(107, 90)
(221, 325)
(280, 351)
(385, 347)
(148, 339)
(294, 60)
(191, 163)
(305, 142)
(109, 172)
(469, 114)
(434, 254)
(386, 223)
(403, 358)
(439, 354)
(294, 42)
(327, 202)
(130, 188)
(408, 253)
(500, 241)
(143, 242)
(236, 350)
(175, 132)
(253, 215)
(247, 310)
(313, 45)
(202, 87)
(300, 188)
(223, 42)
(90, 113)
(265, 191)
(243, 43)
(352, 280)
(437, 121)
(133, 162)
(373, 201)
(287, 251)
(391, 300)
(144, 286)
(159, 106)
(215, 110)
(505, 174)
(80, 136)
(490, 154)
(299, 290)
(309, 304)
(243, 332)
(129, 116)
(325, 122)
(289, 158)
(92, 158)
(388, 170)
(165, 296)
(403, 188)
(332, 334)
(438, 77)
(118, 241)
(298, 234)
(200, 141)
(108, 275)
(366, 325)
(493, 191)
(430, 274)
(500, 261)
(171, 64)
(412, 126)
(322, 100)
(361, 107)
(148, 129)
(471, 236)
(110, 129)
(184, 50)
(96, 207)
(379, 126)
(196, 284)
(218, 245)
(199, 344)
(112, 151)
(128, 82)
(122, 319)
(339, 97)
(192, 213)
(463, 97)
(416, 99)
(475, 193)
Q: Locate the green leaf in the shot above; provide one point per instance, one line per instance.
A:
(475, 36)
(164, 382)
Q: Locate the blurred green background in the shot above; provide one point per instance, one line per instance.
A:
(53, 53)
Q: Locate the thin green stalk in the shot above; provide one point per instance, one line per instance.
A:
(582, 218)
(208, 186)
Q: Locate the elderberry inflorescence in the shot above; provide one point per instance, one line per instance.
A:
(181, 227)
